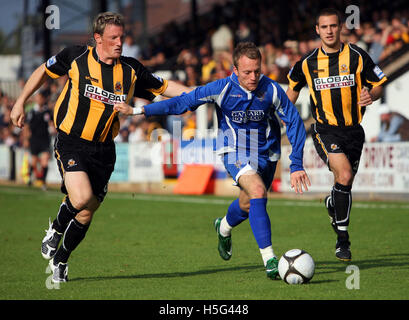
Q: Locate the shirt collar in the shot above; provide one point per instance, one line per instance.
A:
(96, 57)
(234, 78)
(328, 53)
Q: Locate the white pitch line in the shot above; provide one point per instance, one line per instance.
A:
(209, 200)
(275, 202)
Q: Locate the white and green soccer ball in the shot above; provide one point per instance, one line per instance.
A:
(296, 266)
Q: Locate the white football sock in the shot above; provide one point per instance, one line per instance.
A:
(225, 228)
(267, 253)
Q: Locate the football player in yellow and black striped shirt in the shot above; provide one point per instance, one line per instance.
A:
(98, 77)
(342, 80)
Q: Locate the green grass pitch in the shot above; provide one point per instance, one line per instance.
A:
(150, 247)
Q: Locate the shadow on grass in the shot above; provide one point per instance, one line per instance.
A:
(321, 267)
(400, 260)
(169, 275)
(313, 281)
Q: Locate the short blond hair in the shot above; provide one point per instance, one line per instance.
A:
(248, 49)
(105, 18)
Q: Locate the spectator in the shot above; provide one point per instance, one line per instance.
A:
(269, 54)
(138, 131)
(208, 65)
(8, 137)
(192, 77)
(354, 39)
(122, 136)
(243, 33)
(222, 40)
(303, 48)
(40, 122)
(4, 112)
(394, 126)
(377, 46)
(282, 59)
(274, 72)
(129, 48)
(399, 30)
(176, 48)
(189, 127)
(54, 93)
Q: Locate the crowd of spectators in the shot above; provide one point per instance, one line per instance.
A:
(200, 52)
(13, 136)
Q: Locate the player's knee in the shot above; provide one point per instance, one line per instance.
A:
(85, 216)
(245, 206)
(345, 177)
(258, 191)
(81, 201)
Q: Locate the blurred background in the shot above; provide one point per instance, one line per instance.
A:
(191, 41)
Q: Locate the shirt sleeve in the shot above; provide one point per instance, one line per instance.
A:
(372, 75)
(296, 77)
(148, 85)
(59, 64)
(294, 125)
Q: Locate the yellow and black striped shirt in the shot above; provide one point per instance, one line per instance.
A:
(85, 106)
(335, 81)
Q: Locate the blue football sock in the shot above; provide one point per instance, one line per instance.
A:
(260, 222)
(235, 215)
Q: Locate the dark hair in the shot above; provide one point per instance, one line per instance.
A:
(330, 12)
(248, 49)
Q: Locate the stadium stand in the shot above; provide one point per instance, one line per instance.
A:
(190, 57)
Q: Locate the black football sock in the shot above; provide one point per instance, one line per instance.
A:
(30, 174)
(74, 234)
(65, 214)
(44, 176)
(342, 201)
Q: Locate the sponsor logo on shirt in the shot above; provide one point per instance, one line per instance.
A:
(343, 69)
(51, 61)
(91, 79)
(334, 82)
(118, 86)
(260, 95)
(98, 94)
(246, 116)
(157, 77)
(379, 73)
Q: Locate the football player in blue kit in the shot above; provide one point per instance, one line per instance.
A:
(249, 143)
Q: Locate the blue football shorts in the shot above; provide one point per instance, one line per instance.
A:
(237, 164)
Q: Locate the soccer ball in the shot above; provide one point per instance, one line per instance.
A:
(296, 266)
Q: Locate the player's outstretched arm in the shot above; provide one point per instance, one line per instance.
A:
(299, 180)
(179, 104)
(175, 89)
(36, 80)
(127, 110)
(292, 95)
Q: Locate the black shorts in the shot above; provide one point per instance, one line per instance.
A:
(97, 159)
(39, 146)
(347, 140)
